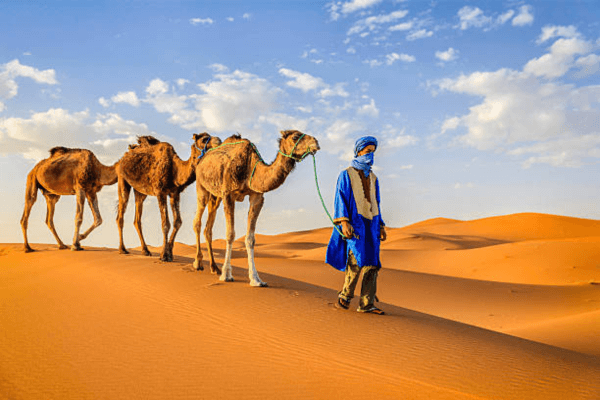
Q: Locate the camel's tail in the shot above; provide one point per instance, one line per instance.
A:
(31, 187)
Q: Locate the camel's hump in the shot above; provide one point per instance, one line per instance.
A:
(150, 140)
(58, 150)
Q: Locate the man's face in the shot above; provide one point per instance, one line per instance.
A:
(369, 149)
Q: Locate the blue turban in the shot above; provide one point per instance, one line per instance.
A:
(365, 161)
(364, 142)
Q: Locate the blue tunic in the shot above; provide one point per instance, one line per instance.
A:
(363, 214)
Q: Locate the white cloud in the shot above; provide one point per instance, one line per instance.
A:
(126, 97)
(106, 135)
(563, 152)
(420, 34)
(373, 63)
(283, 121)
(392, 137)
(13, 70)
(340, 129)
(111, 123)
(560, 58)
(337, 8)
(402, 141)
(157, 87)
(553, 31)
(104, 102)
(182, 82)
(201, 21)
(356, 5)
(247, 16)
(405, 26)
(524, 17)
(472, 17)
(218, 67)
(302, 81)
(304, 109)
(450, 124)
(230, 19)
(307, 53)
(370, 109)
(231, 101)
(448, 55)
(504, 18)
(307, 82)
(340, 132)
(351, 50)
(393, 57)
(335, 90)
(157, 94)
(373, 23)
(588, 65)
(528, 112)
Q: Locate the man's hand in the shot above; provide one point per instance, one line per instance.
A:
(382, 233)
(347, 229)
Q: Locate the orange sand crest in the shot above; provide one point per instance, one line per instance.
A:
(505, 307)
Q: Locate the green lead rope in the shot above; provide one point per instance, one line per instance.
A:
(323, 201)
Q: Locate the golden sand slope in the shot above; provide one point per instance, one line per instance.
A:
(97, 324)
(531, 275)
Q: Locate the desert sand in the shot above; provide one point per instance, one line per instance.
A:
(497, 308)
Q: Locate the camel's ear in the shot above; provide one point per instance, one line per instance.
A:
(196, 136)
(283, 133)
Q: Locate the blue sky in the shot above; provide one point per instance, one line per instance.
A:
(481, 108)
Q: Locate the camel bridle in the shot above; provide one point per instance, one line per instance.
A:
(291, 155)
(202, 151)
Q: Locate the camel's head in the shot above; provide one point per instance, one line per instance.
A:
(202, 143)
(297, 145)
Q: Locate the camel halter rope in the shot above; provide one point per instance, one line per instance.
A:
(291, 155)
(323, 201)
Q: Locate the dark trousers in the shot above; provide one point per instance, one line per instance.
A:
(369, 283)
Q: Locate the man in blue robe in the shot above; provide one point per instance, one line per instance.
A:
(357, 216)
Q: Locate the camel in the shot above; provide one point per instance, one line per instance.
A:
(67, 172)
(152, 168)
(233, 171)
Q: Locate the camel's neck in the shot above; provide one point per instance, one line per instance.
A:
(270, 177)
(108, 175)
(184, 173)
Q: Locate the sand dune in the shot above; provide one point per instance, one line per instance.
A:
(499, 314)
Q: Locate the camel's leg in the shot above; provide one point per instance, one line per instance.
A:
(51, 200)
(166, 225)
(213, 205)
(124, 191)
(139, 208)
(30, 198)
(229, 208)
(80, 199)
(256, 202)
(93, 202)
(201, 198)
(174, 199)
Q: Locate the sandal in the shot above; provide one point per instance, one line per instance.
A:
(342, 303)
(372, 310)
